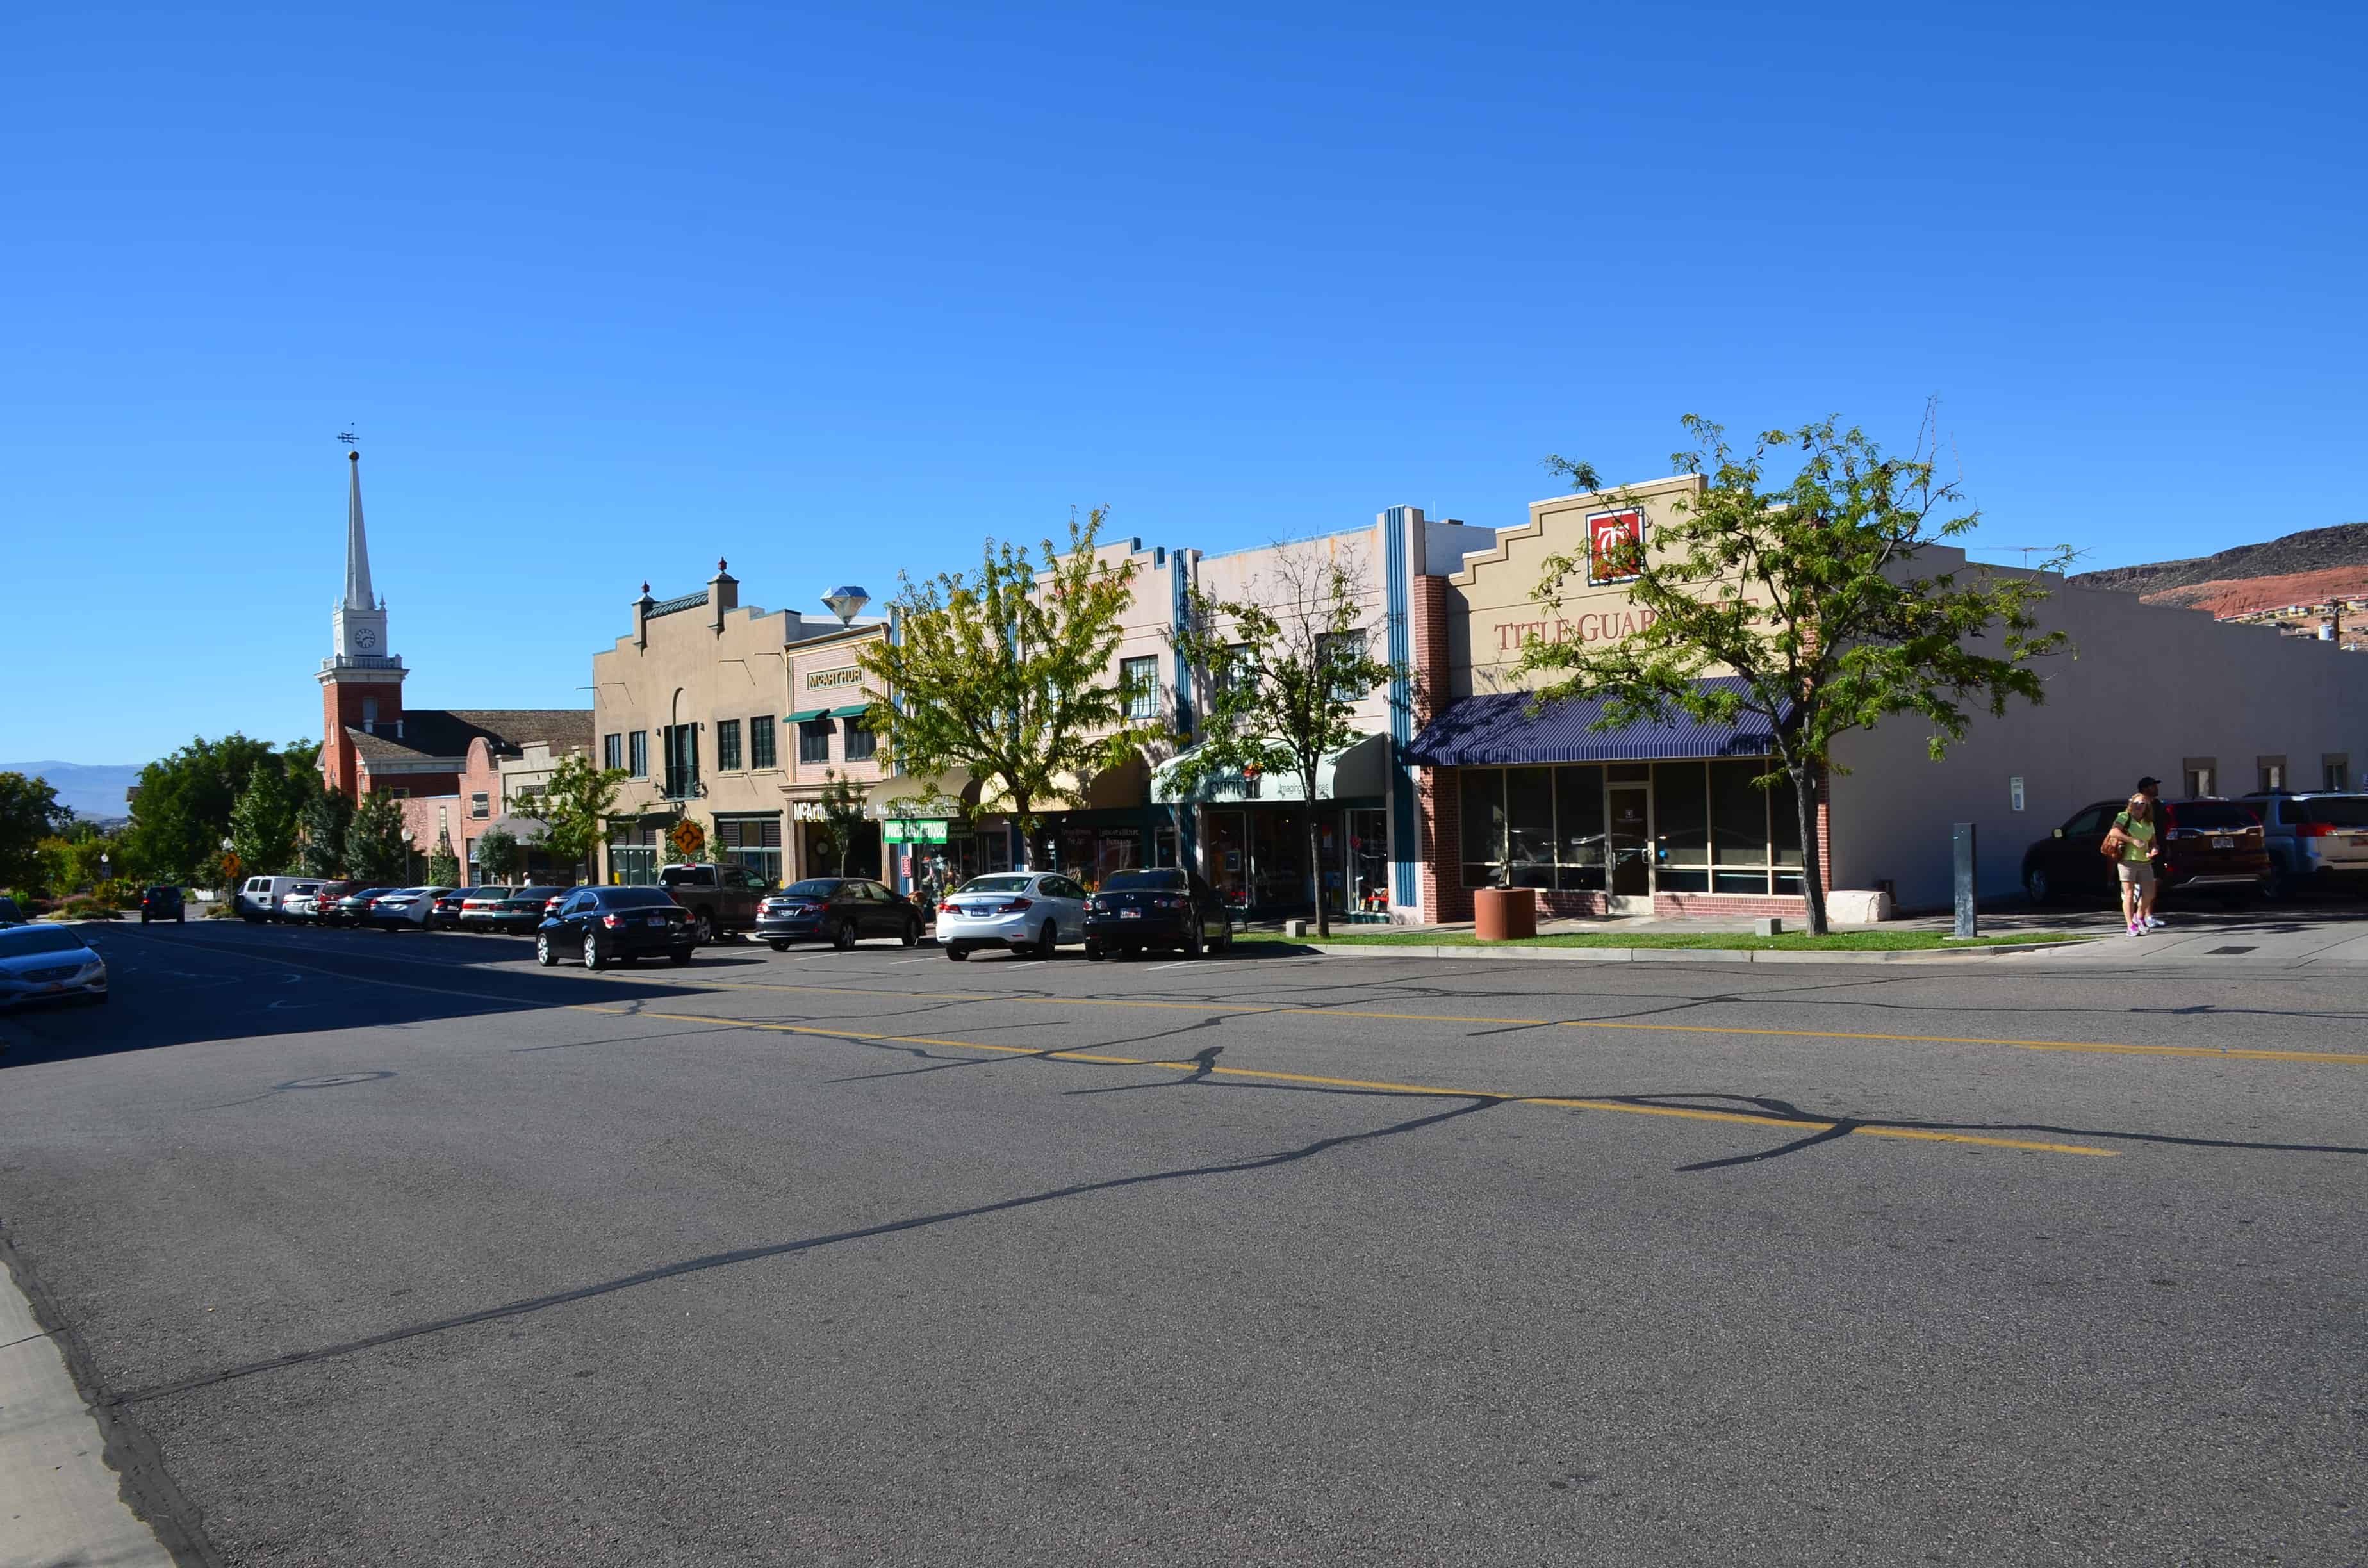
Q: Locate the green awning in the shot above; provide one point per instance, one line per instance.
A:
(857, 711)
(805, 716)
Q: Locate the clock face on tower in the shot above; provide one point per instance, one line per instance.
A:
(365, 639)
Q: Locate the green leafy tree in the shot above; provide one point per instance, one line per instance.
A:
(574, 807)
(374, 849)
(30, 813)
(320, 851)
(499, 855)
(443, 866)
(264, 821)
(1005, 672)
(182, 810)
(842, 822)
(1282, 670)
(1807, 588)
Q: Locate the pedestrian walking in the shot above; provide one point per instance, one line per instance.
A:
(2132, 844)
(2151, 787)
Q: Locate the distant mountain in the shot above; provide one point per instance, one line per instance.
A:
(2341, 551)
(91, 790)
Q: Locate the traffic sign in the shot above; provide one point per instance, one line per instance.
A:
(688, 839)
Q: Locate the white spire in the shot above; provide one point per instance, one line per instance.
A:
(358, 581)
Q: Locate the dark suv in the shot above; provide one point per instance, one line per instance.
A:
(603, 925)
(1169, 908)
(2204, 842)
(160, 903)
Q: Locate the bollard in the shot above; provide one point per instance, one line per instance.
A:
(1967, 926)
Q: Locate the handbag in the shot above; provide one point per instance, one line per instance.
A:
(2115, 842)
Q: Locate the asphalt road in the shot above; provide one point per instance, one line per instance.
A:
(398, 1250)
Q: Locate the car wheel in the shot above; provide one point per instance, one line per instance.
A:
(1048, 942)
(780, 947)
(2036, 887)
(1093, 950)
(179, 916)
(912, 933)
(1194, 947)
(844, 938)
(678, 955)
(956, 951)
(542, 954)
(702, 927)
(591, 950)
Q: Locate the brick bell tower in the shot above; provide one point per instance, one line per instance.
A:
(361, 683)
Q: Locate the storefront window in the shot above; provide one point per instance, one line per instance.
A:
(754, 842)
(1369, 843)
(1483, 804)
(1578, 829)
(1229, 856)
(1530, 827)
(1785, 830)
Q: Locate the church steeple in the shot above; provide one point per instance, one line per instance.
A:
(357, 583)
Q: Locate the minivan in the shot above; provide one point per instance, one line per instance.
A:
(259, 898)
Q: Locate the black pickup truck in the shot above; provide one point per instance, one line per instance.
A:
(721, 898)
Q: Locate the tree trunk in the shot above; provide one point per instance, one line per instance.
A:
(1812, 871)
(1316, 863)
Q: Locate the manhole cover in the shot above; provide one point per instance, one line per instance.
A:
(2230, 950)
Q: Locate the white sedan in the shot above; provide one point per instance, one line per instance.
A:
(1029, 912)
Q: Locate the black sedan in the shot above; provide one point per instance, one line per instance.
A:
(445, 914)
(352, 908)
(838, 910)
(522, 910)
(605, 926)
(1174, 909)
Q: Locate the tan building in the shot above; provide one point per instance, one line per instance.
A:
(1664, 818)
(701, 705)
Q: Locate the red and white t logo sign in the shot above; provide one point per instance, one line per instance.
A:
(1615, 546)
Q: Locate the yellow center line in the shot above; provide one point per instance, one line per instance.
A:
(1790, 1124)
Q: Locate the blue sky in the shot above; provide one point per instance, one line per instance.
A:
(611, 291)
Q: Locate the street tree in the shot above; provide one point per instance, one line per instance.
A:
(30, 813)
(1282, 670)
(574, 807)
(1006, 672)
(265, 820)
(321, 835)
(499, 855)
(182, 810)
(443, 866)
(1807, 588)
(835, 832)
(374, 847)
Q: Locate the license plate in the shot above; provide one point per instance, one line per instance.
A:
(657, 919)
(2223, 843)
(1129, 914)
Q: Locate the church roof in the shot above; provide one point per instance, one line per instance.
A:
(358, 572)
(435, 732)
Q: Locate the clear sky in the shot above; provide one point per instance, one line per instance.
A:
(610, 291)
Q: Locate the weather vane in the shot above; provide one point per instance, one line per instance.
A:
(349, 437)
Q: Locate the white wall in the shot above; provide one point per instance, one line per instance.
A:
(2151, 686)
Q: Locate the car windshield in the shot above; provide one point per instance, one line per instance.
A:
(37, 939)
(996, 884)
(2211, 813)
(632, 898)
(2337, 810)
(1129, 882)
(816, 887)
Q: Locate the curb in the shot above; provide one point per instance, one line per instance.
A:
(1686, 955)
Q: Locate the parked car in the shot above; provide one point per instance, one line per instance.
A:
(41, 962)
(604, 926)
(721, 898)
(303, 906)
(1167, 908)
(520, 912)
(480, 904)
(10, 914)
(2205, 843)
(550, 905)
(444, 910)
(160, 903)
(838, 910)
(1026, 911)
(2314, 840)
(399, 907)
(265, 898)
(351, 908)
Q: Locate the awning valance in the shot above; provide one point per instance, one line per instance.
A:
(853, 711)
(1357, 769)
(1495, 729)
(805, 715)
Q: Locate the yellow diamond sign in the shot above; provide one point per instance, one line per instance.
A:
(688, 839)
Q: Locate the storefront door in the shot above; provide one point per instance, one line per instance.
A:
(1631, 843)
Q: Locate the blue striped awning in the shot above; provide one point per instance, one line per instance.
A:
(1495, 729)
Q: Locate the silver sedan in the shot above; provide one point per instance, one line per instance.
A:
(1032, 911)
(49, 963)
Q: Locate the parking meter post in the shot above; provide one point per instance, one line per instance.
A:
(1962, 834)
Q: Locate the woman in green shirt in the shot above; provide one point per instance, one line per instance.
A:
(2134, 863)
